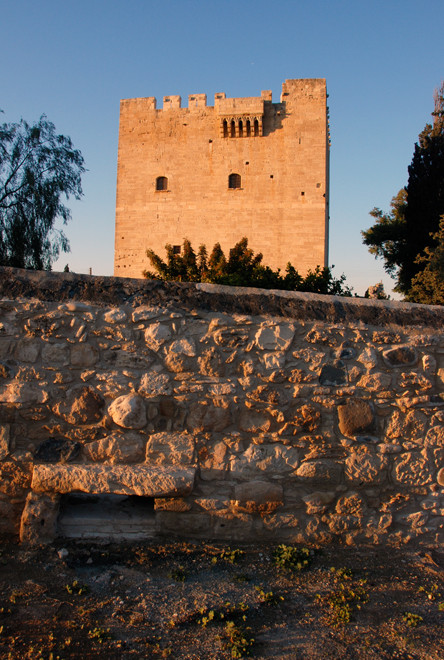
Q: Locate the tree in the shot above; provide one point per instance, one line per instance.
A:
(242, 268)
(38, 170)
(401, 235)
(428, 285)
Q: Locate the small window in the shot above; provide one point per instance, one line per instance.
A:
(234, 181)
(176, 249)
(248, 128)
(225, 128)
(161, 183)
(241, 128)
(233, 129)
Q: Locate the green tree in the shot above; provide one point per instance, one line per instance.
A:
(401, 235)
(242, 268)
(38, 171)
(428, 285)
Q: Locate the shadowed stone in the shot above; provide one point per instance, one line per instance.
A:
(54, 450)
(402, 356)
(332, 376)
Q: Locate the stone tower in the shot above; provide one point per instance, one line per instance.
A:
(243, 167)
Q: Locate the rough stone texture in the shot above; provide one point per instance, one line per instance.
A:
(229, 399)
(128, 411)
(354, 416)
(39, 519)
(121, 480)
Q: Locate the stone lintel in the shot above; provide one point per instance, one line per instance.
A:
(142, 480)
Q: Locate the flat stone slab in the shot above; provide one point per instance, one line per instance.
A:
(140, 480)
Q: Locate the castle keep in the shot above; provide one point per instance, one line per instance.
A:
(243, 167)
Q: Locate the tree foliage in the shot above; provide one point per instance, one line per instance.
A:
(400, 236)
(428, 285)
(242, 268)
(39, 170)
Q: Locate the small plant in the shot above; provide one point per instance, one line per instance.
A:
(441, 607)
(230, 556)
(239, 639)
(77, 588)
(339, 603)
(341, 573)
(268, 597)
(431, 593)
(178, 574)
(205, 620)
(289, 558)
(100, 634)
(412, 620)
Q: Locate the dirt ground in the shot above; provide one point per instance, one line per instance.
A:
(210, 601)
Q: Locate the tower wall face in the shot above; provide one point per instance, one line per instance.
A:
(174, 167)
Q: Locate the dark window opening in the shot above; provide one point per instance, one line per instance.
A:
(225, 128)
(233, 129)
(234, 181)
(161, 183)
(256, 128)
(241, 128)
(176, 249)
(271, 176)
(302, 194)
(248, 128)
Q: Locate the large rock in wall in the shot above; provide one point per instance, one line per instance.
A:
(239, 425)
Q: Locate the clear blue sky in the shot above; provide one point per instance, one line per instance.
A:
(74, 61)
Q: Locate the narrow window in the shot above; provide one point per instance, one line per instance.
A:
(234, 181)
(161, 183)
(233, 128)
(248, 128)
(225, 128)
(256, 128)
(241, 128)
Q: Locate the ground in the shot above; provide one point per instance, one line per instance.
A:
(210, 601)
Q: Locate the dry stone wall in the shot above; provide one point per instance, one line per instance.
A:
(241, 426)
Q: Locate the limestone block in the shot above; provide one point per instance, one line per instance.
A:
(128, 411)
(206, 416)
(415, 381)
(235, 337)
(55, 450)
(440, 477)
(171, 504)
(364, 467)
(221, 389)
(271, 459)
(83, 355)
(83, 405)
(115, 315)
(57, 354)
(375, 382)
(279, 521)
(273, 361)
(23, 393)
(401, 356)
(146, 313)
(258, 497)
(27, 350)
(320, 471)
(253, 421)
(4, 440)
(213, 460)
(154, 384)
(39, 518)
(170, 449)
(351, 504)
(267, 394)
(117, 448)
(429, 364)
(411, 425)
(306, 418)
(183, 346)
(435, 436)
(338, 523)
(317, 503)
(354, 416)
(368, 357)
(210, 363)
(274, 337)
(156, 335)
(15, 478)
(311, 357)
(142, 480)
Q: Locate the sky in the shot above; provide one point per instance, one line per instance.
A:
(73, 60)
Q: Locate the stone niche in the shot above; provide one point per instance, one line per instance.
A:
(96, 501)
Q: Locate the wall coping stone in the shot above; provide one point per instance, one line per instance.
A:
(48, 286)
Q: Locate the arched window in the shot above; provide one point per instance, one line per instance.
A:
(233, 128)
(241, 128)
(225, 128)
(161, 183)
(234, 181)
(248, 128)
(256, 128)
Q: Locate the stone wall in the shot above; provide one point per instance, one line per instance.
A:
(240, 425)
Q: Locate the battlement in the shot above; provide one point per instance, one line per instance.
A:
(236, 106)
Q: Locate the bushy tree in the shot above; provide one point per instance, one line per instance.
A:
(401, 235)
(428, 285)
(38, 171)
(242, 268)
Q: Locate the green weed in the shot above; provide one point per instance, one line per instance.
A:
(412, 620)
(238, 639)
(289, 558)
(77, 588)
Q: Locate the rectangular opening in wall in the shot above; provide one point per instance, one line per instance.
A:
(122, 518)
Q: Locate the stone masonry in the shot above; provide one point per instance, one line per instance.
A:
(240, 425)
(243, 167)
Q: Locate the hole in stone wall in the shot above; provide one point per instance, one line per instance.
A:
(106, 517)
